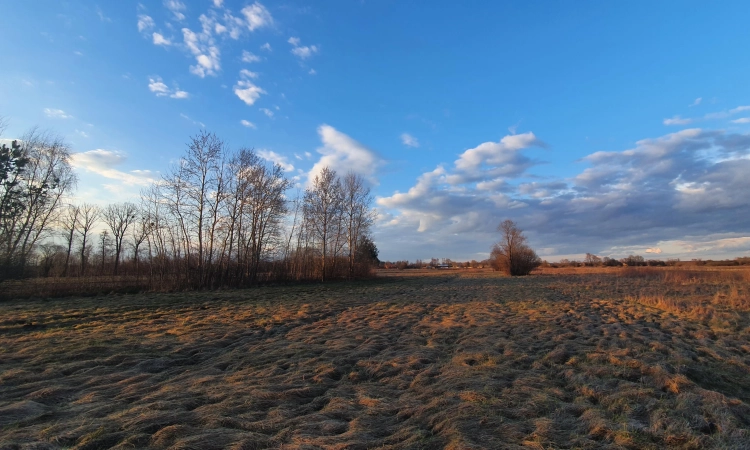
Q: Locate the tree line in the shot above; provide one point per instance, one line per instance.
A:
(216, 218)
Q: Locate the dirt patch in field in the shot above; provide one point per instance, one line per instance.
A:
(440, 361)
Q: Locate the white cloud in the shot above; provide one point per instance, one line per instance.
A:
(103, 162)
(247, 91)
(276, 159)
(56, 113)
(145, 23)
(247, 123)
(696, 102)
(206, 53)
(218, 3)
(677, 120)
(158, 87)
(312, 72)
(161, 40)
(665, 189)
(266, 47)
(742, 120)
(739, 109)
(409, 140)
(101, 15)
(267, 112)
(83, 134)
(195, 122)
(302, 52)
(249, 57)
(178, 94)
(655, 250)
(177, 8)
(257, 16)
(343, 154)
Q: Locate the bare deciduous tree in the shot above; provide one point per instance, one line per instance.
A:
(119, 217)
(69, 224)
(35, 175)
(87, 218)
(511, 254)
(322, 210)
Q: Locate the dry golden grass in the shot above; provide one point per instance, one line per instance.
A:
(449, 359)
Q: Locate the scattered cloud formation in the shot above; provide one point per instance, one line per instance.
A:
(343, 154)
(246, 90)
(104, 163)
(257, 16)
(249, 57)
(302, 52)
(206, 53)
(145, 23)
(176, 7)
(742, 120)
(158, 87)
(56, 113)
(267, 112)
(409, 140)
(161, 40)
(696, 102)
(663, 194)
(677, 120)
(276, 159)
(247, 123)
(266, 47)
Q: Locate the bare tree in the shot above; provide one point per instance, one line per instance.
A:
(69, 223)
(35, 174)
(511, 254)
(322, 211)
(119, 217)
(358, 216)
(87, 218)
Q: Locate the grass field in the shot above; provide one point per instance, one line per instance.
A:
(439, 359)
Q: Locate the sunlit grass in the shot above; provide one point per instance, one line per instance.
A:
(445, 359)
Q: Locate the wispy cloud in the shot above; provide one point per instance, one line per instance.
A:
(158, 87)
(161, 40)
(247, 123)
(696, 102)
(267, 112)
(409, 140)
(145, 23)
(249, 57)
(302, 52)
(104, 163)
(742, 120)
(56, 113)
(276, 159)
(677, 120)
(177, 8)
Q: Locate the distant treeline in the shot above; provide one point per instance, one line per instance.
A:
(216, 218)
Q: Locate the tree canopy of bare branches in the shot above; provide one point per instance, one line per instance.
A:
(511, 254)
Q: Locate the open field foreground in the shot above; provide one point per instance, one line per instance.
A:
(452, 360)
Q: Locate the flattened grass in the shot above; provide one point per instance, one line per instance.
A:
(449, 360)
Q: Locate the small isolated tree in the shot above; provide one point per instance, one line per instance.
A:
(511, 254)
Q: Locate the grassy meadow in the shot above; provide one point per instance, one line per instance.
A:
(626, 358)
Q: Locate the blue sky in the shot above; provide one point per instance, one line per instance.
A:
(603, 127)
